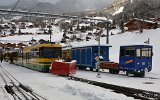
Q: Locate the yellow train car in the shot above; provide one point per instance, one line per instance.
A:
(39, 57)
(66, 54)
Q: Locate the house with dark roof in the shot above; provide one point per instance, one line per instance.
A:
(135, 24)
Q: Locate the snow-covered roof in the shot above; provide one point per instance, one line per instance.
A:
(83, 24)
(100, 18)
(148, 21)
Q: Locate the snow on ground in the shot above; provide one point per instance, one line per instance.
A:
(116, 40)
(119, 10)
(51, 86)
(56, 35)
(55, 87)
(149, 82)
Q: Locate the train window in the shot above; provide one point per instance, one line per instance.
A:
(50, 52)
(138, 52)
(122, 53)
(129, 52)
(146, 52)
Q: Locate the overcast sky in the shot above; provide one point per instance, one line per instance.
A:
(52, 1)
(7, 2)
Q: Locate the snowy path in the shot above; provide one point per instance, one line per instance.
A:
(59, 88)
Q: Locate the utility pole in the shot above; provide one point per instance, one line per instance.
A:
(98, 62)
(50, 34)
(107, 36)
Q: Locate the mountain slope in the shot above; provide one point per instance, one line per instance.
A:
(61, 6)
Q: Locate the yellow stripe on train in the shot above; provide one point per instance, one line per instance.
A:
(129, 61)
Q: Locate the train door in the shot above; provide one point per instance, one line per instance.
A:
(89, 56)
(76, 55)
(83, 56)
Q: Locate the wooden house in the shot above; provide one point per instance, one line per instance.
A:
(135, 24)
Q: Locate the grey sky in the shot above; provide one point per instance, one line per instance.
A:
(7, 2)
(52, 1)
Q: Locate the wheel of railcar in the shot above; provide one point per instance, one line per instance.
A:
(139, 74)
(127, 73)
(111, 71)
(83, 68)
(80, 68)
(91, 69)
(142, 73)
(116, 71)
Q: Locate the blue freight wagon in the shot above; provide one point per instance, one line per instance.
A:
(135, 59)
(85, 55)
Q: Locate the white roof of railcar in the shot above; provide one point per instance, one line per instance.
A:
(138, 44)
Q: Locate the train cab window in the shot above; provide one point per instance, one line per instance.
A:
(146, 52)
(122, 52)
(50, 52)
(127, 51)
(138, 52)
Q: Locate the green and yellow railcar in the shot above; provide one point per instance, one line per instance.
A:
(39, 57)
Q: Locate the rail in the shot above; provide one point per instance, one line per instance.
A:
(130, 92)
(17, 90)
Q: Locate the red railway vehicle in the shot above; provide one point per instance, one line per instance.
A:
(63, 68)
(112, 66)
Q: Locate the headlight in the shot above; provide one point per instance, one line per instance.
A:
(143, 63)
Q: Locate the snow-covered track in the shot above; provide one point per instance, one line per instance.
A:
(17, 90)
(130, 92)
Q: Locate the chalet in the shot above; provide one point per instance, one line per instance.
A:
(22, 25)
(21, 45)
(134, 24)
(158, 21)
(11, 45)
(89, 34)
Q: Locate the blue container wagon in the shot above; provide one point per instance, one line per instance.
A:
(85, 55)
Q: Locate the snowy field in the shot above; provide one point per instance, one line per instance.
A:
(59, 88)
(54, 87)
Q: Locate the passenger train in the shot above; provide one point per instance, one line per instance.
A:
(133, 59)
(37, 57)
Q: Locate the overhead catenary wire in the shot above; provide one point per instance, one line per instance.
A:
(16, 5)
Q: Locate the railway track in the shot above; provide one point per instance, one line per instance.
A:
(155, 78)
(130, 92)
(17, 90)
